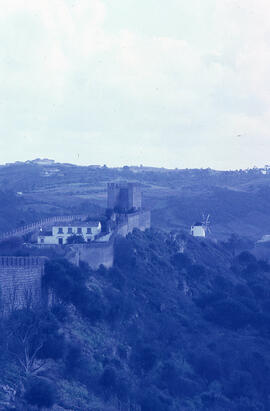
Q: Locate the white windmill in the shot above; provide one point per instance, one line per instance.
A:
(200, 229)
(206, 223)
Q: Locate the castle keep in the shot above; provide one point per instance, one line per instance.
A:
(124, 197)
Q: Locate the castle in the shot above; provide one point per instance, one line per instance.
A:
(124, 205)
(21, 277)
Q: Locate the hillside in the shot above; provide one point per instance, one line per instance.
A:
(176, 324)
(237, 201)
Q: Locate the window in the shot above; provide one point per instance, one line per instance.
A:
(60, 240)
(42, 240)
(60, 230)
(79, 230)
(89, 231)
(69, 230)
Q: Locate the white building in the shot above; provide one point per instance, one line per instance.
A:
(42, 161)
(265, 239)
(198, 230)
(61, 233)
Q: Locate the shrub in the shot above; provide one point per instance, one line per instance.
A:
(111, 385)
(124, 253)
(75, 239)
(53, 347)
(144, 358)
(264, 266)
(172, 380)
(78, 367)
(60, 312)
(180, 261)
(206, 300)
(89, 303)
(240, 384)
(69, 283)
(73, 358)
(196, 271)
(230, 314)
(153, 400)
(40, 392)
(206, 365)
(108, 378)
(123, 388)
(246, 258)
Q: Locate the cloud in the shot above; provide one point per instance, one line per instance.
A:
(179, 81)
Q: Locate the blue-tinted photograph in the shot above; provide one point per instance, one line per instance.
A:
(134, 205)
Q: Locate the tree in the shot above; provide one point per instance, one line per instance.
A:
(230, 314)
(109, 213)
(144, 358)
(32, 337)
(108, 378)
(233, 243)
(153, 400)
(41, 393)
(245, 258)
(75, 239)
(206, 365)
(24, 340)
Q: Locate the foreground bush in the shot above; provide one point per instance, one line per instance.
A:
(41, 393)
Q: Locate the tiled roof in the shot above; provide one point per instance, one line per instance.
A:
(45, 233)
(79, 224)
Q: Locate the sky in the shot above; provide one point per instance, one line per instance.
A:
(127, 82)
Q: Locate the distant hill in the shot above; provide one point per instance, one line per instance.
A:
(237, 201)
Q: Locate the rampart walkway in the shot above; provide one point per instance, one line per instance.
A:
(20, 231)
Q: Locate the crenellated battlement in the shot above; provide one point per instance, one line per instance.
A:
(10, 261)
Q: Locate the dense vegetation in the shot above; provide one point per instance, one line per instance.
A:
(176, 324)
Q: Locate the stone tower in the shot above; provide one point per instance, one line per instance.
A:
(124, 196)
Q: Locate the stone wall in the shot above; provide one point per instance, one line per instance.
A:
(140, 220)
(96, 253)
(93, 253)
(21, 282)
(134, 196)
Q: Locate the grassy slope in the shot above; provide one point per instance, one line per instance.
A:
(237, 201)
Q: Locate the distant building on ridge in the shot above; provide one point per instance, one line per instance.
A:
(41, 162)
